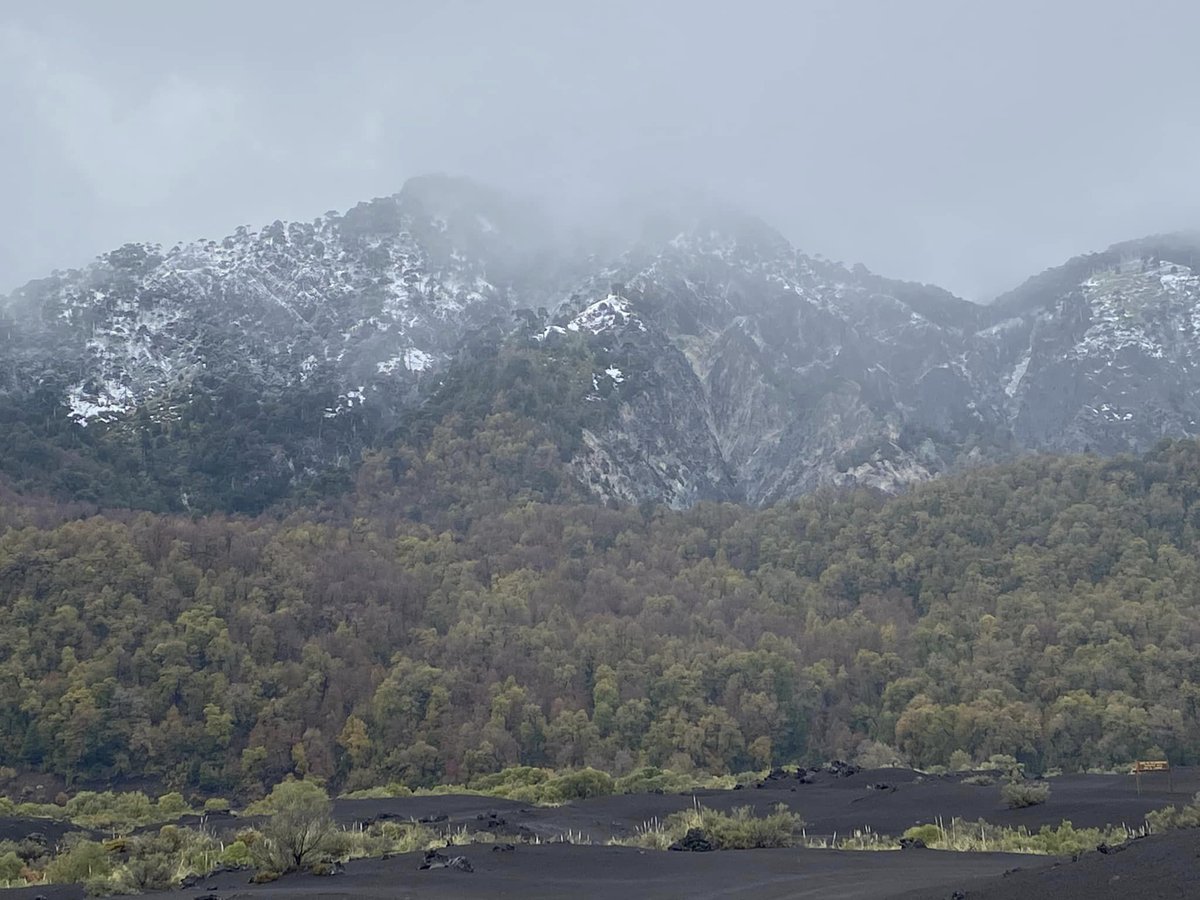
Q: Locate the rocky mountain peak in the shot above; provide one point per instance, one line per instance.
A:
(724, 363)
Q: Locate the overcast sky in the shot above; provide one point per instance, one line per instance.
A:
(964, 142)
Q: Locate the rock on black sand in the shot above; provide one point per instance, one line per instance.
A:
(435, 859)
(695, 840)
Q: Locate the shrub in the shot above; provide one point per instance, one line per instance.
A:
(504, 781)
(405, 837)
(1020, 794)
(652, 778)
(970, 837)
(150, 870)
(742, 830)
(299, 829)
(114, 810)
(1175, 817)
(375, 793)
(83, 861)
(960, 761)
(979, 780)
(10, 866)
(235, 854)
(215, 805)
(172, 805)
(739, 829)
(579, 785)
(876, 755)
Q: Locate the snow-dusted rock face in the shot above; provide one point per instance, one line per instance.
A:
(374, 299)
(1112, 364)
(730, 366)
(805, 373)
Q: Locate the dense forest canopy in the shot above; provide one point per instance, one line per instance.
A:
(463, 609)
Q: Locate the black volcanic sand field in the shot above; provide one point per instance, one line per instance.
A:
(1159, 867)
(566, 872)
(886, 800)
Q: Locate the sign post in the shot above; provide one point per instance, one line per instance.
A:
(1151, 765)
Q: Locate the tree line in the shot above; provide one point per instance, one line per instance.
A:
(461, 610)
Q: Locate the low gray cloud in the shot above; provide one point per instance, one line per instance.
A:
(964, 143)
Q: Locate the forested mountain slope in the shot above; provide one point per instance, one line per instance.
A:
(458, 612)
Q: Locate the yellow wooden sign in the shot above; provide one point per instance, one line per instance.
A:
(1151, 765)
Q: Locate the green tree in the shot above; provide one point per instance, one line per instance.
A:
(299, 829)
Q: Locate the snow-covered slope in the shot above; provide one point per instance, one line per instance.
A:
(373, 299)
(738, 368)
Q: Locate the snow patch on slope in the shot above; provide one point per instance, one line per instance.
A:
(412, 359)
(611, 313)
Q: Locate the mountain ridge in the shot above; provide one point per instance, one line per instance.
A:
(728, 365)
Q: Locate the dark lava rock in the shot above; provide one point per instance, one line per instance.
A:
(434, 819)
(912, 844)
(503, 848)
(841, 769)
(435, 859)
(695, 841)
(881, 786)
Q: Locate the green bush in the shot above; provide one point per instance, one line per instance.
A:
(149, 871)
(743, 830)
(1175, 816)
(85, 860)
(1061, 840)
(979, 780)
(503, 782)
(405, 837)
(579, 785)
(739, 829)
(10, 866)
(651, 778)
(1020, 794)
(113, 810)
(299, 830)
(375, 793)
(172, 805)
(960, 761)
(235, 854)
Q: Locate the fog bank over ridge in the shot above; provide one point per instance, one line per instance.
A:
(959, 144)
